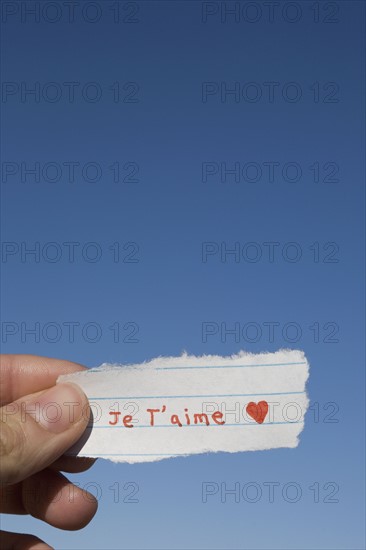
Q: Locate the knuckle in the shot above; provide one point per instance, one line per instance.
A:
(7, 440)
(11, 446)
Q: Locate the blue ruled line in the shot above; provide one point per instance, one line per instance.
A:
(137, 454)
(199, 425)
(231, 366)
(186, 396)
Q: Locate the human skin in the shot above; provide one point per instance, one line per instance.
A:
(39, 421)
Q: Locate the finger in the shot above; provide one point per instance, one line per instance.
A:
(20, 541)
(72, 464)
(25, 374)
(11, 495)
(50, 496)
(37, 430)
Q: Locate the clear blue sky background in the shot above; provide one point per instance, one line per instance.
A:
(168, 292)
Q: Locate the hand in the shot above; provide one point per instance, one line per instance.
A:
(39, 421)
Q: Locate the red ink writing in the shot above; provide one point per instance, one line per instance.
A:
(126, 419)
(157, 416)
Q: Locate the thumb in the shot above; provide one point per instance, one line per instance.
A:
(37, 429)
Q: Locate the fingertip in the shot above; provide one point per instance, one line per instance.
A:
(86, 506)
(42, 428)
(51, 497)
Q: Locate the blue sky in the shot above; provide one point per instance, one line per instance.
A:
(191, 169)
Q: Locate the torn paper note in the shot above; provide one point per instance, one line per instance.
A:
(178, 406)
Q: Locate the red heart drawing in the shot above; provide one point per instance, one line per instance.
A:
(258, 411)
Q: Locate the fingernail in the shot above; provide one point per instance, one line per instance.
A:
(58, 408)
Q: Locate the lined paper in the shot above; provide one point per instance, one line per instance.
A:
(179, 406)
